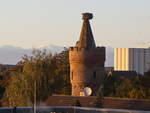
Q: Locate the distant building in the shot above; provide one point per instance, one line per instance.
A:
(132, 59)
(122, 74)
(86, 61)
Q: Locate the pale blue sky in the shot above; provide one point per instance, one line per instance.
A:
(36, 23)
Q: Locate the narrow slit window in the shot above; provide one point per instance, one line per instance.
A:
(94, 74)
(72, 75)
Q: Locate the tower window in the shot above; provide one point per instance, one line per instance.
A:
(72, 75)
(94, 74)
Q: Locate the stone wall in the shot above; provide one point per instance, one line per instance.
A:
(86, 68)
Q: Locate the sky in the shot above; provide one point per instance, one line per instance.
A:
(38, 23)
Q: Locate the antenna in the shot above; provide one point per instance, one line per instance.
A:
(35, 96)
(87, 91)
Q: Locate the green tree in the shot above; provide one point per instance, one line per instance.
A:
(35, 68)
(17, 92)
(127, 87)
(63, 70)
(50, 72)
(130, 88)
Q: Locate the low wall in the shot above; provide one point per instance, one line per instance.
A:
(115, 103)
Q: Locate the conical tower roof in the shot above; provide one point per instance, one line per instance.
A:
(86, 36)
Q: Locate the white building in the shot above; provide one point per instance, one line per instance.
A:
(132, 59)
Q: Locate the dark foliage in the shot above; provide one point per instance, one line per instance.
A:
(137, 87)
(77, 103)
(99, 101)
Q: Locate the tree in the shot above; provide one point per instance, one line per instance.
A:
(50, 72)
(63, 70)
(130, 88)
(127, 87)
(5, 71)
(110, 84)
(16, 92)
(99, 101)
(77, 103)
(35, 68)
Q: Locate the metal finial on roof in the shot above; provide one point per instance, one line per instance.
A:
(87, 16)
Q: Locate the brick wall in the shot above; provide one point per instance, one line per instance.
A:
(108, 102)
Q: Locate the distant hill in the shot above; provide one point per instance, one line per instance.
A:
(11, 54)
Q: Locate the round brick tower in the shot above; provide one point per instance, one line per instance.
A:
(86, 61)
